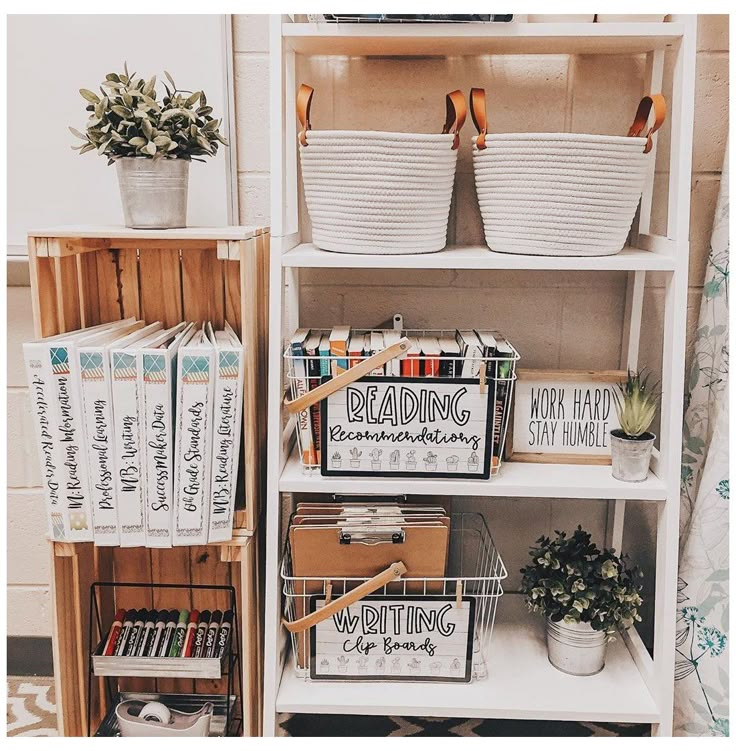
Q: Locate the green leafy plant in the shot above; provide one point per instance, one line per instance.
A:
(127, 120)
(636, 404)
(569, 579)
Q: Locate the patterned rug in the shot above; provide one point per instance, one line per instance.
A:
(32, 712)
(31, 706)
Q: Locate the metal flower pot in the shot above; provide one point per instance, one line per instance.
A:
(630, 456)
(576, 648)
(154, 193)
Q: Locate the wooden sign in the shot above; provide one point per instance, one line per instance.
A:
(564, 416)
(407, 427)
(427, 638)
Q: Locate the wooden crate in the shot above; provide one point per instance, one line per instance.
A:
(82, 276)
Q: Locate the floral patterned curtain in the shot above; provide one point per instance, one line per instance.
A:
(701, 666)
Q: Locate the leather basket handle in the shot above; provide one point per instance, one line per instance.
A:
(394, 571)
(478, 113)
(638, 128)
(363, 368)
(456, 112)
(303, 108)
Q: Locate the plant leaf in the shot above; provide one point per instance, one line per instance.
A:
(90, 96)
(171, 80)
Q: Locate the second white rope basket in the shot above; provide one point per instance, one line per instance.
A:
(561, 194)
(379, 193)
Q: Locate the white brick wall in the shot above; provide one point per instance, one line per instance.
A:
(556, 319)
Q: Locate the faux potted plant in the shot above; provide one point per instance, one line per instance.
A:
(631, 444)
(586, 596)
(151, 142)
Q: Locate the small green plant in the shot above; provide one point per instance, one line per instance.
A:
(127, 120)
(569, 579)
(636, 404)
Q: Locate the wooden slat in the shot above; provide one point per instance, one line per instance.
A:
(67, 293)
(202, 285)
(171, 566)
(72, 246)
(133, 565)
(43, 289)
(128, 273)
(105, 572)
(89, 289)
(160, 285)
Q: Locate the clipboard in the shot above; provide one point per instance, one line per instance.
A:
(350, 550)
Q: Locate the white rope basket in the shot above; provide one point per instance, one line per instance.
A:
(561, 194)
(379, 193)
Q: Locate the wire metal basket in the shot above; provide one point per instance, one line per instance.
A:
(498, 374)
(475, 570)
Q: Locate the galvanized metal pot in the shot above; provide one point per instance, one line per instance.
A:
(154, 193)
(576, 648)
(630, 456)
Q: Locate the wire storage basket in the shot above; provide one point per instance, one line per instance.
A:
(475, 572)
(419, 450)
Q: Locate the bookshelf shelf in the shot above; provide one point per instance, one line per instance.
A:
(633, 687)
(515, 479)
(523, 685)
(475, 39)
(306, 255)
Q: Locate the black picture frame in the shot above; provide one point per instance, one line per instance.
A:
(465, 678)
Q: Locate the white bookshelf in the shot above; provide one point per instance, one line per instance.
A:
(634, 686)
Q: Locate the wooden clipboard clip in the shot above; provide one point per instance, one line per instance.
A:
(363, 368)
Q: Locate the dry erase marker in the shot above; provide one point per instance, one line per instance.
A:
(158, 633)
(115, 629)
(177, 643)
(188, 650)
(212, 629)
(224, 636)
(130, 616)
(167, 639)
(199, 638)
(149, 634)
(131, 647)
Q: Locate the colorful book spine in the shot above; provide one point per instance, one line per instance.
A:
(127, 442)
(96, 384)
(44, 408)
(300, 386)
(227, 424)
(194, 391)
(339, 338)
(311, 350)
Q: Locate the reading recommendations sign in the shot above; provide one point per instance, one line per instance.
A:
(406, 427)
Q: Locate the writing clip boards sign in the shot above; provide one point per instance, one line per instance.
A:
(407, 427)
(426, 638)
(318, 554)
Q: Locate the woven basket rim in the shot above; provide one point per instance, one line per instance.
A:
(379, 134)
(566, 137)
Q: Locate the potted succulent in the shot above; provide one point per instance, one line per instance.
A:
(631, 444)
(336, 460)
(430, 462)
(151, 142)
(375, 455)
(452, 462)
(355, 455)
(393, 460)
(473, 462)
(411, 460)
(586, 596)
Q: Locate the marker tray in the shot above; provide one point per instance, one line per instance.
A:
(183, 702)
(158, 667)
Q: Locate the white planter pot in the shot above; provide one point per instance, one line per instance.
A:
(576, 648)
(630, 456)
(153, 193)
